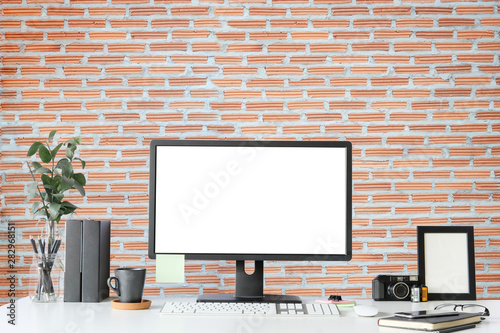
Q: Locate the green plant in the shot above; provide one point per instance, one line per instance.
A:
(57, 178)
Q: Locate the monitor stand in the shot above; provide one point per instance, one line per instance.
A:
(249, 288)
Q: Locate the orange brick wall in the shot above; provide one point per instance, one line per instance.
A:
(413, 85)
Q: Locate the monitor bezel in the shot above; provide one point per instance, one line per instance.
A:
(252, 256)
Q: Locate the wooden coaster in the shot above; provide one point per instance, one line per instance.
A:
(144, 304)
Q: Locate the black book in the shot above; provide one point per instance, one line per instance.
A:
(95, 260)
(73, 269)
(431, 323)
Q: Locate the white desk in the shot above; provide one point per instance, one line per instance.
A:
(100, 317)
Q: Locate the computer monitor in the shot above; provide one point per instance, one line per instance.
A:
(251, 200)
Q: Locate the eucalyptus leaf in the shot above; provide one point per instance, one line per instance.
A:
(80, 178)
(66, 167)
(36, 165)
(57, 179)
(71, 142)
(83, 162)
(46, 179)
(68, 207)
(69, 154)
(77, 139)
(66, 184)
(48, 187)
(32, 190)
(69, 210)
(80, 188)
(40, 212)
(34, 148)
(58, 196)
(35, 206)
(32, 186)
(67, 204)
(54, 209)
(55, 150)
(51, 134)
(30, 196)
(43, 170)
(44, 154)
(33, 193)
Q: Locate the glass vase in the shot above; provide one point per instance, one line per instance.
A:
(47, 273)
(47, 268)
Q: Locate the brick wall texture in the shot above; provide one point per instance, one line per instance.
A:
(412, 84)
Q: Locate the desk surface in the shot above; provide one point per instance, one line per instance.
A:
(101, 317)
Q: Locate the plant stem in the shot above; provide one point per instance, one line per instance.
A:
(39, 192)
(51, 233)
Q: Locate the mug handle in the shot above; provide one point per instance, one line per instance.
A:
(117, 284)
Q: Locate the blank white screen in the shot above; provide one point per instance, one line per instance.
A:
(246, 200)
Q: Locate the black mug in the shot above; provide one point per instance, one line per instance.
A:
(129, 284)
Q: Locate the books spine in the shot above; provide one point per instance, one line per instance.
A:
(90, 263)
(104, 259)
(95, 268)
(73, 269)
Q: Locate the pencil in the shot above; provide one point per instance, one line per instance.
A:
(58, 244)
(33, 244)
(42, 251)
(40, 244)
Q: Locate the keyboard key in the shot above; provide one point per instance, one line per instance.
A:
(326, 309)
(313, 309)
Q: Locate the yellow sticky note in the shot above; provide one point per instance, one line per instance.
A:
(169, 268)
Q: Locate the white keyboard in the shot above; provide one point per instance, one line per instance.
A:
(237, 308)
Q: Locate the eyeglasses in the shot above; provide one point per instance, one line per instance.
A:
(472, 308)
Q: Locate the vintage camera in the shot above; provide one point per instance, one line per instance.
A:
(393, 287)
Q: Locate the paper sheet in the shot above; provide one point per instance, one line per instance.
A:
(170, 268)
(446, 263)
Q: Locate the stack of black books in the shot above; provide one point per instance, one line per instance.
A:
(87, 260)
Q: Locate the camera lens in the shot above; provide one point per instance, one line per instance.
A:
(400, 290)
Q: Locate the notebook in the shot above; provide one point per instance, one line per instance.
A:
(432, 323)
